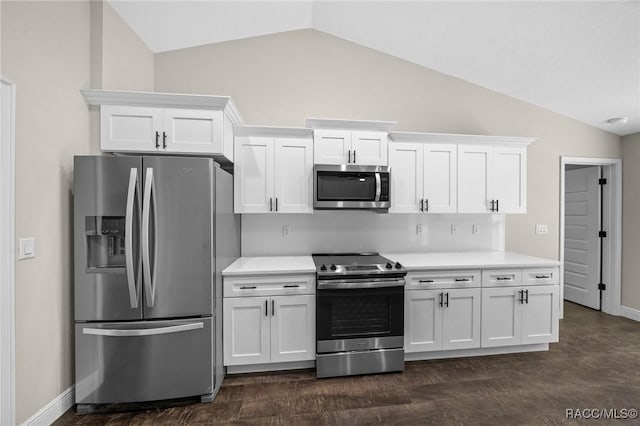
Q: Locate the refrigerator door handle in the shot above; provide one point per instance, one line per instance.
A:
(142, 331)
(149, 292)
(131, 279)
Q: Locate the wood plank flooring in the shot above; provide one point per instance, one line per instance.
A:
(595, 365)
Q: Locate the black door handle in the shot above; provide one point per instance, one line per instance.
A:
(157, 139)
(276, 203)
(266, 308)
(521, 298)
(270, 204)
(164, 140)
(527, 298)
(497, 206)
(492, 208)
(446, 303)
(426, 204)
(441, 300)
(422, 205)
(354, 156)
(349, 157)
(273, 308)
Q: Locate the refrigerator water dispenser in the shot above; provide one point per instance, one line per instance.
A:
(105, 243)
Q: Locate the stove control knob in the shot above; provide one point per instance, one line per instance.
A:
(389, 265)
(333, 267)
(398, 265)
(323, 267)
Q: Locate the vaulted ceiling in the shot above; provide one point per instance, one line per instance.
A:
(579, 59)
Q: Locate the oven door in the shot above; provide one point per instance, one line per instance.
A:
(351, 318)
(351, 187)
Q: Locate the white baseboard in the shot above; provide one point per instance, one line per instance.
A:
(53, 410)
(630, 313)
(463, 353)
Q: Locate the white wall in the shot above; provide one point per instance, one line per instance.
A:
(45, 52)
(630, 219)
(355, 231)
(282, 79)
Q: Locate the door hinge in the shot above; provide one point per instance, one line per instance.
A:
(602, 181)
(602, 286)
(602, 234)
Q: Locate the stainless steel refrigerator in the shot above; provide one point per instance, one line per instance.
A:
(151, 238)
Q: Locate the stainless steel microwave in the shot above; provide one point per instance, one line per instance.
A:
(351, 187)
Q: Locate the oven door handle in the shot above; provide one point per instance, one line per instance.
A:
(378, 185)
(351, 284)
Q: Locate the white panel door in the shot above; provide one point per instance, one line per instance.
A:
(422, 321)
(331, 146)
(461, 319)
(246, 331)
(501, 316)
(293, 328)
(474, 178)
(440, 178)
(193, 131)
(406, 162)
(127, 128)
(581, 246)
(369, 148)
(510, 179)
(253, 175)
(540, 314)
(293, 175)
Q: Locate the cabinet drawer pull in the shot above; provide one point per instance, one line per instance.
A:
(157, 139)
(464, 280)
(504, 278)
(426, 281)
(248, 287)
(291, 285)
(540, 277)
(526, 299)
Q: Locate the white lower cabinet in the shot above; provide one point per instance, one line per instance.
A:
(519, 315)
(262, 330)
(442, 319)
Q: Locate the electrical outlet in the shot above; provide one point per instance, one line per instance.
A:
(454, 229)
(286, 231)
(475, 229)
(542, 229)
(26, 248)
(419, 229)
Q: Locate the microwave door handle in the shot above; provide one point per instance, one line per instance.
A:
(378, 186)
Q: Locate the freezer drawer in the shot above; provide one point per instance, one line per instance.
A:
(143, 361)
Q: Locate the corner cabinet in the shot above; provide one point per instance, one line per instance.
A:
(159, 123)
(361, 143)
(272, 323)
(447, 173)
(273, 170)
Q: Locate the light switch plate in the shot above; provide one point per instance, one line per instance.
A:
(542, 229)
(286, 230)
(419, 229)
(454, 229)
(26, 248)
(475, 229)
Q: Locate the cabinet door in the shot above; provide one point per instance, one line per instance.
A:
(193, 131)
(293, 328)
(510, 179)
(293, 175)
(246, 331)
(474, 178)
(461, 319)
(369, 148)
(253, 175)
(501, 316)
(331, 146)
(406, 163)
(540, 314)
(440, 178)
(126, 128)
(422, 321)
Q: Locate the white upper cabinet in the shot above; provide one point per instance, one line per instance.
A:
(273, 173)
(510, 179)
(162, 123)
(423, 177)
(475, 165)
(351, 142)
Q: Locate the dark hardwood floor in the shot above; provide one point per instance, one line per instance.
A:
(595, 365)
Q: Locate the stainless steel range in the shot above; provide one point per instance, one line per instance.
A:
(359, 314)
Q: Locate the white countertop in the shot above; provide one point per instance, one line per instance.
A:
(469, 260)
(271, 265)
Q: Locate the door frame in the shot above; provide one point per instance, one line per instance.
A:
(611, 222)
(7, 251)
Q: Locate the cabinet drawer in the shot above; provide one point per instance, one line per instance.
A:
(501, 277)
(269, 286)
(443, 279)
(541, 276)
